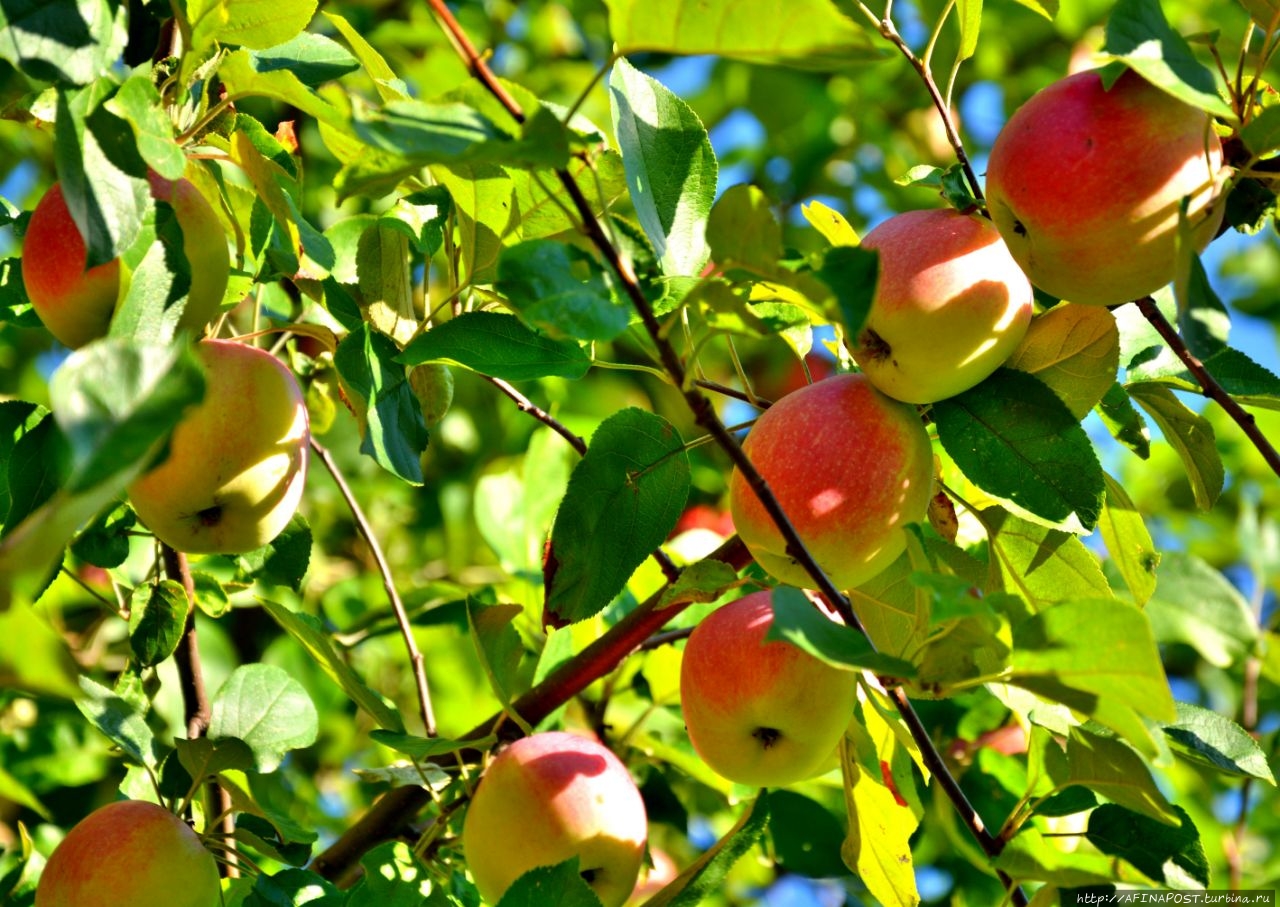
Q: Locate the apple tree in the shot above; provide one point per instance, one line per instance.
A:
(386, 384)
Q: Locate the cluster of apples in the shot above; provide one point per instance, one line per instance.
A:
(237, 461)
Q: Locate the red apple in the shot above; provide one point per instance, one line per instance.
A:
(850, 466)
(950, 305)
(548, 798)
(1085, 183)
(130, 854)
(762, 713)
(704, 516)
(76, 305)
(237, 461)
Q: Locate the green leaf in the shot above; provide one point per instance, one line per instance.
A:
(63, 41)
(1029, 857)
(877, 846)
(808, 34)
(498, 345)
(742, 231)
(15, 307)
(105, 543)
(106, 194)
(797, 621)
(267, 709)
(157, 618)
(670, 166)
(284, 560)
(393, 877)
(1173, 856)
(806, 836)
(138, 103)
(702, 581)
(1128, 542)
(852, 273)
(1122, 419)
(1046, 8)
(1042, 565)
(314, 59)
(116, 398)
(1190, 434)
(240, 72)
(1108, 767)
(203, 757)
(395, 434)
(1139, 34)
(124, 723)
(500, 649)
(484, 196)
(309, 633)
(33, 656)
(830, 223)
(561, 290)
(970, 19)
(15, 791)
(1075, 351)
(707, 873)
(38, 465)
(1013, 438)
(624, 498)
(1214, 740)
(561, 885)
(249, 23)
(1196, 605)
(428, 749)
(390, 86)
(1056, 655)
(1262, 134)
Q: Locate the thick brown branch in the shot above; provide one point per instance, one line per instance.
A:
(195, 696)
(1212, 389)
(416, 660)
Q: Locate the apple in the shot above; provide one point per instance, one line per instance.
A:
(550, 797)
(850, 467)
(130, 854)
(76, 304)
(237, 461)
(705, 517)
(1085, 184)
(950, 306)
(654, 878)
(762, 713)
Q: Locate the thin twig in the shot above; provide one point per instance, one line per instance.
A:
(195, 696)
(724, 389)
(397, 606)
(890, 33)
(1212, 389)
(525, 405)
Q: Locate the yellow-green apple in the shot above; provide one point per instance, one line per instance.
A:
(76, 304)
(1085, 185)
(237, 461)
(550, 797)
(130, 854)
(850, 467)
(764, 713)
(950, 305)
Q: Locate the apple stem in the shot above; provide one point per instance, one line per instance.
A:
(1208, 384)
(416, 660)
(195, 696)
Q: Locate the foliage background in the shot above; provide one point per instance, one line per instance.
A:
(493, 476)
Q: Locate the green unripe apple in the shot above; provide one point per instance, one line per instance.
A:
(850, 466)
(762, 713)
(237, 461)
(76, 304)
(130, 854)
(1085, 184)
(548, 798)
(950, 305)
